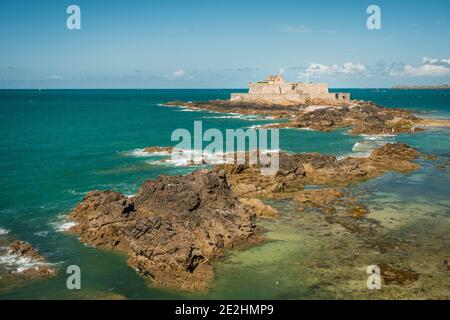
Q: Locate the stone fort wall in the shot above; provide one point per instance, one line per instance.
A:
(284, 99)
(269, 98)
(276, 90)
(288, 88)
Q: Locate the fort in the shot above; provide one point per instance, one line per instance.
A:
(276, 90)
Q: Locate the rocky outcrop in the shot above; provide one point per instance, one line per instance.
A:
(176, 226)
(328, 174)
(36, 266)
(396, 156)
(361, 116)
(226, 106)
(172, 229)
(298, 170)
(394, 152)
(162, 150)
(318, 198)
(259, 207)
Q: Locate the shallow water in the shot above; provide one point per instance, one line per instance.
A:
(57, 145)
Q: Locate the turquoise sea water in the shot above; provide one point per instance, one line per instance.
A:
(56, 145)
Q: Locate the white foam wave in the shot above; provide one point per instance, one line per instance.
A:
(223, 117)
(137, 153)
(141, 153)
(355, 155)
(362, 146)
(42, 234)
(186, 158)
(3, 231)
(184, 109)
(378, 136)
(237, 116)
(74, 192)
(63, 226)
(365, 147)
(17, 264)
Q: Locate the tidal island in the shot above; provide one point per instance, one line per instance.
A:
(312, 106)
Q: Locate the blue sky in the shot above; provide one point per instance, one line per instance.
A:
(221, 44)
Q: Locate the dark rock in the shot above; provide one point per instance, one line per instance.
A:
(172, 229)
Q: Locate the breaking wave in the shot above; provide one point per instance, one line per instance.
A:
(17, 264)
(238, 116)
(3, 231)
(197, 158)
(63, 224)
(370, 142)
(141, 153)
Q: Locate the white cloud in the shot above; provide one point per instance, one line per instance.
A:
(431, 67)
(282, 71)
(426, 70)
(320, 69)
(177, 74)
(350, 67)
(346, 68)
(427, 60)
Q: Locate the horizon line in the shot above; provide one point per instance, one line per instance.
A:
(173, 88)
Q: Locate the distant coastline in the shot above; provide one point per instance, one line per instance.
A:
(435, 87)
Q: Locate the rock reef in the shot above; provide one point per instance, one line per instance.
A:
(36, 266)
(298, 170)
(361, 117)
(162, 150)
(172, 229)
(176, 226)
